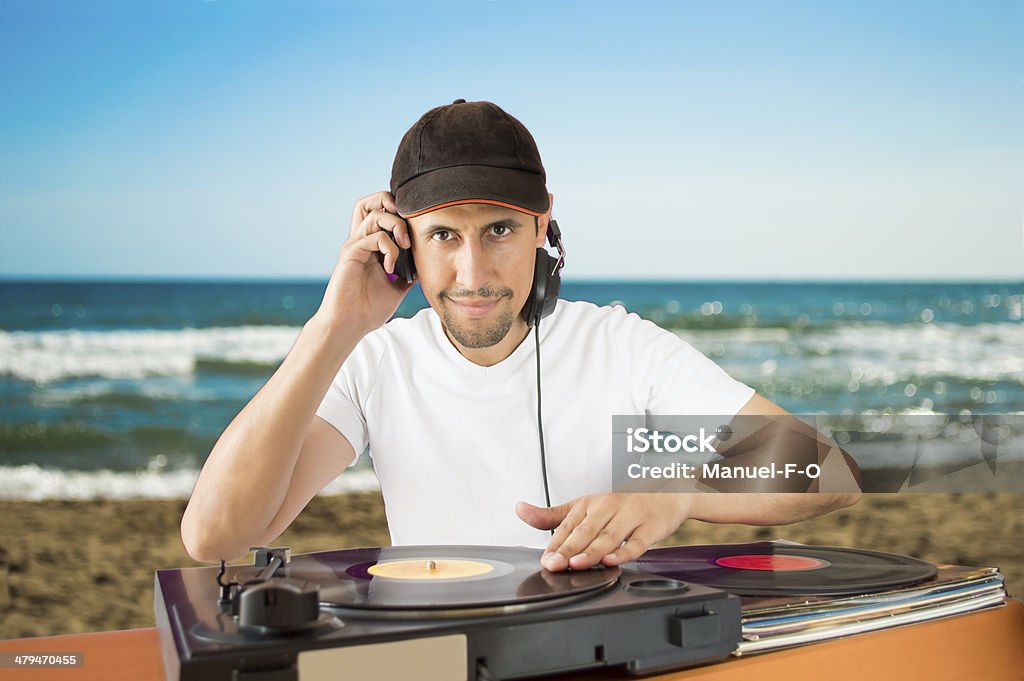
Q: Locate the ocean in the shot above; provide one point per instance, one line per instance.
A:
(120, 388)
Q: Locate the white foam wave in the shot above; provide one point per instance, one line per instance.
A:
(46, 356)
(33, 483)
(872, 352)
(57, 395)
(879, 352)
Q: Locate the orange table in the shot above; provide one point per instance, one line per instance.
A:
(986, 645)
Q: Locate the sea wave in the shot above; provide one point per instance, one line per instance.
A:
(74, 436)
(137, 396)
(871, 352)
(34, 483)
(867, 351)
(48, 356)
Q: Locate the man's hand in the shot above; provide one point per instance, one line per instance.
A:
(612, 528)
(359, 293)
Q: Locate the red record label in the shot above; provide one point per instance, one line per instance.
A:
(770, 562)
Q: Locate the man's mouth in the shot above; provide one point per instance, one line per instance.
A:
(475, 307)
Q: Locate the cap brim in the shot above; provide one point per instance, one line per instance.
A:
(516, 189)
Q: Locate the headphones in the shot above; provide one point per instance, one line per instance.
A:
(547, 277)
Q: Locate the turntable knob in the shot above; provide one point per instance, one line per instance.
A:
(280, 604)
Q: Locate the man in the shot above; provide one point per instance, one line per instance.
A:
(447, 401)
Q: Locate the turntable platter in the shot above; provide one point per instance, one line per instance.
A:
(456, 578)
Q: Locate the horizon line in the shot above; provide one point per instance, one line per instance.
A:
(307, 279)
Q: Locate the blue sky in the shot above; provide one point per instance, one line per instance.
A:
(683, 140)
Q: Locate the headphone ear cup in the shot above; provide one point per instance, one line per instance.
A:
(547, 282)
(553, 276)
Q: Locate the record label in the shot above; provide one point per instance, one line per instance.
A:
(429, 569)
(771, 562)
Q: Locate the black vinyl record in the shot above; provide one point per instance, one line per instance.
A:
(445, 578)
(766, 568)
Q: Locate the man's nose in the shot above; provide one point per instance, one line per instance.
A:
(473, 265)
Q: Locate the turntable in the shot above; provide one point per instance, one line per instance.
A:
(431, 612)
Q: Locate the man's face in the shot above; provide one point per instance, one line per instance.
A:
(475, 266)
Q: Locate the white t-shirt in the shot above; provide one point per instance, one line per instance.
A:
(455, 445)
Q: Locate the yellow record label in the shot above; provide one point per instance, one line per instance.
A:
(430, 568)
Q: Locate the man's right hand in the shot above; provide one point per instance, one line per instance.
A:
(359, 294)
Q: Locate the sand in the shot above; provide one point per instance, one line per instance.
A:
(79, 566)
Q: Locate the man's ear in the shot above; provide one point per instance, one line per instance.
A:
(543, 220)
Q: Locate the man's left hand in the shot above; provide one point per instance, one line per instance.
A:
(612, 528)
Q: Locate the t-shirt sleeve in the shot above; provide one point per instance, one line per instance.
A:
(672, 377)
(344, 404)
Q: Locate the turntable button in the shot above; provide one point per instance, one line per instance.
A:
(695, 632)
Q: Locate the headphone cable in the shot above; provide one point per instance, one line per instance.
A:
(540, 421)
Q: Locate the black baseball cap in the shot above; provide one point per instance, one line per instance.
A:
(468, 152)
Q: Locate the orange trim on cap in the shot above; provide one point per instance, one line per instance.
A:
(465, 201)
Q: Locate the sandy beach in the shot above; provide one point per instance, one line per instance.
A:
(79, 566)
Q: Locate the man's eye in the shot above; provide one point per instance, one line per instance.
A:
(500, 230)
(441, 235)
